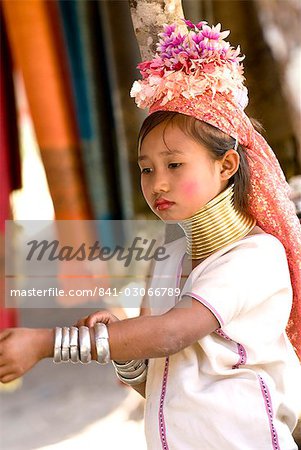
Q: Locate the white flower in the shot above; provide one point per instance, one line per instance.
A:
(136, 88)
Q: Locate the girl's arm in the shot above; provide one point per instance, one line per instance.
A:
(148, 336)
(139, 338)
(159, 336)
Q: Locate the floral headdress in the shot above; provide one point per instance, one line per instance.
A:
(201, 75)
(189, 64)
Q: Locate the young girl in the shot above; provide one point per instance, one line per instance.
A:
(214, 362)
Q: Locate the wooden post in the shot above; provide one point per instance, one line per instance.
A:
(148, 18)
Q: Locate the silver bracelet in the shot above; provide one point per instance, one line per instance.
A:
(124, 364)
(66, 344)
(84, 345)
(127, 366)
(133, 374)
(102, 343)
(74, 353)
(134, 381)
(57, 353)
(133, 371)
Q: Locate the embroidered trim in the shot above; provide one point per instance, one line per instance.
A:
(242, 356)
(205, 303)
(162, 427)
(222, 334)
(268, 405)
(240, 349)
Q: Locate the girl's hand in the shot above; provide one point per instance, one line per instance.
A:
(21, 349)
(102, 316)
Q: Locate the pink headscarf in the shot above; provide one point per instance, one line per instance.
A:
(200, 75)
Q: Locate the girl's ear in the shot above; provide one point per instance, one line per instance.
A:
(229, 164)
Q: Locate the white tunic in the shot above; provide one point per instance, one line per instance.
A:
(235, 389)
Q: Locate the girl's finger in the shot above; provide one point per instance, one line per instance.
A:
(4, 371)
(93, 319)
(101, 316)
(9, 377)
(81, 322)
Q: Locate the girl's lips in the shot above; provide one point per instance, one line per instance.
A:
(164, 205)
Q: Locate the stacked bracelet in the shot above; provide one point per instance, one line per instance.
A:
(74, 350)
(65, 350)
(75, 344)
(57, 354)
(84, 345)
(131, 372)
(102, 343)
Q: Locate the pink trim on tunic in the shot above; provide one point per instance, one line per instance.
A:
(269, 409)
(242, 360)
(207, 304)
(242, 356)
(162, 427)
(264, 389)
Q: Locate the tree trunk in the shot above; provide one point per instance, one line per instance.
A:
(148, 17)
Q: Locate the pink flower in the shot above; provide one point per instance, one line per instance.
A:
(201, 24)
(214, 33)
(168, 30)
(197, 38)
(194, 26)
(189, 24)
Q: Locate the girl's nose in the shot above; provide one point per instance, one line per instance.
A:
(160, 184)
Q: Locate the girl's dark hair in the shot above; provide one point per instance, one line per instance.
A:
(215, 140)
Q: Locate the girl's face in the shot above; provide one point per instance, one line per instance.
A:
(178, 175)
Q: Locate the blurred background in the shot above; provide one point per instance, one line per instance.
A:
(68, 131)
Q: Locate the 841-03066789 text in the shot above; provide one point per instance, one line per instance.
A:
(140, 291)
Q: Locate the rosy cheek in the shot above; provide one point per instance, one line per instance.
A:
(189, 187)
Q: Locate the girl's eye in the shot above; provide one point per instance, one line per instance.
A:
(146, 170)
(174, 165)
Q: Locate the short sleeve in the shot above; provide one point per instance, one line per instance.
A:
(241, 278)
